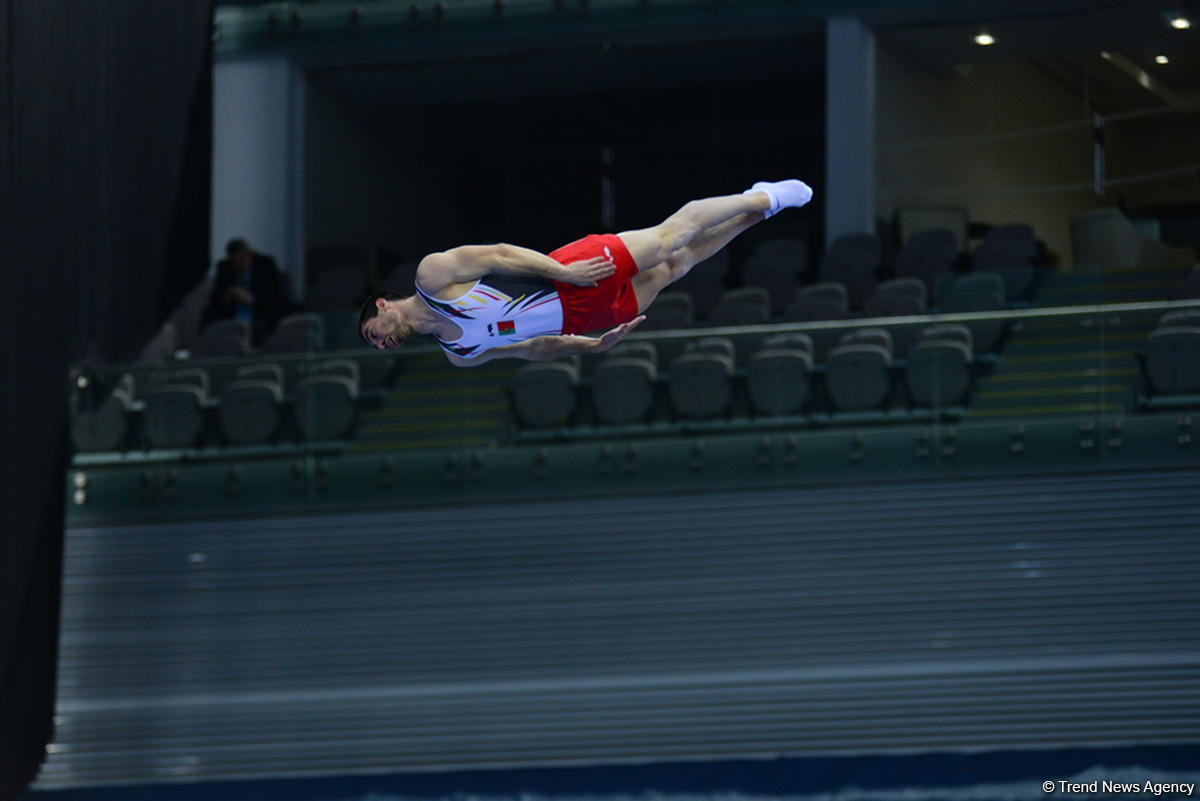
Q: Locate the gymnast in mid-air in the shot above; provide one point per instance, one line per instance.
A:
(485, 302)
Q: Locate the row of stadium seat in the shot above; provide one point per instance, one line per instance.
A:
(782, 377)
(172, 408)
(1171, 363)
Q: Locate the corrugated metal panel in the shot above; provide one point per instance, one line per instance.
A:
(904, 617)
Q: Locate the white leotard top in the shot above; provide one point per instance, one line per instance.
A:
(497, 311)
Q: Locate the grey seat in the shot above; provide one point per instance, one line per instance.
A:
(826, 290)
(324, 406)
(296, 333)
(261, 371)
(544, 393)
(979, 292)
(869, 336)
(796, 340)
(893, 304)
(857, 376)
(722, 346)
(810, 309)
(249, 412)
(907, 287)
(938, 372)
(912, 220)
(705, 282)
(623, 389)
(778, 379)
(956, 332)
(927, 255)
(635, 350)
(700, 385)
(173, 415)
(1180, 317)
(1173, 360)
(103, 428)
(853, 260)
(299, 369)
(145, 381)
(749, 305)
(670, 310)
(776, 266)
(1009, 251)
(222, 339)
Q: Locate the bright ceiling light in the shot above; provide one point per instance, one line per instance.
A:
(1180, 22)
(1161, 60)
(984, 38)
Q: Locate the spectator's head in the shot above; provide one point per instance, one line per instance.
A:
(239, 253)
(382, 324)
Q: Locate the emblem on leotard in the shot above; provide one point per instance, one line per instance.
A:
(506, 327)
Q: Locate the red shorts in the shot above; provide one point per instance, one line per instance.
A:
(612, 301)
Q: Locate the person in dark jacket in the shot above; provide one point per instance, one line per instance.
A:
(248, 286)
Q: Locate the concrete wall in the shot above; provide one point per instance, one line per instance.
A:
(258, 170)
(996, 180)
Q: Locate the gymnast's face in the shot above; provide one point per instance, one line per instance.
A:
(387, 329)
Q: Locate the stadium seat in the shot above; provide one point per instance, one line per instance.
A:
(854, 261)
(296, 333)
(749, 305)
(700, 385)
(1180, 317)
(222, 339)
(776, 266)
(912, 220)
(722, 346)
(952, 331)
(778, 378)
(103, 428)
(669, 311)
(635, 350)
(249, 410)
(858, 376)
(261, 371)
(903, 287)
(173, 414)
(927, 255)
(323, 406)
(869, 336)
(705, 282)
(795, 339)
(544, 393)
(1009, 251)
(623, 389)
(979, 292)
(938, 372)
(1173, 360)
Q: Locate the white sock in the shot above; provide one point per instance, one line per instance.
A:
(789, 194)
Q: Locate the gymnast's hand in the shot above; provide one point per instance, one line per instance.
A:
(615, 335)
(588, 272)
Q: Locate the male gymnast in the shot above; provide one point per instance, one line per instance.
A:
(484, 302)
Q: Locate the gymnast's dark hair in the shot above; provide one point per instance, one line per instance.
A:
(370, 310)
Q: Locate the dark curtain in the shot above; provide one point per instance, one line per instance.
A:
(105, 149)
